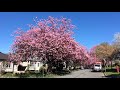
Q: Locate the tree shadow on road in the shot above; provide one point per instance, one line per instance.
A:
(62, 72)
(107, 70)
(95, 71)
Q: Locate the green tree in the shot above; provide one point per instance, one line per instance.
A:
(103, 52)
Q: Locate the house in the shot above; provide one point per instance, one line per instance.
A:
(3, 58)
(31, 65)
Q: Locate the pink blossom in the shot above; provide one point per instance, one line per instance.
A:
(49, 37)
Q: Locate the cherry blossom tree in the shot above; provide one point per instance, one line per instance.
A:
(103, 52)
(49, 40)
(92, 54)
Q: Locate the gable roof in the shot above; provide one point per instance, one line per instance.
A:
(3, 56)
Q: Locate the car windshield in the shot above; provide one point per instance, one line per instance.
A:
(97, 65)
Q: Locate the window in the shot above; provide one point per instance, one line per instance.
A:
(38, 64)
(8, 65)
(32, 64)
(97, 65)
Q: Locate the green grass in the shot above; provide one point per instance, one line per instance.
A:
(8, 75)
(51, 75)
(112, 73)
(27, 75)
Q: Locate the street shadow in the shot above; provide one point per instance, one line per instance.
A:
(62, 72)
(107, 70)
(95, 71)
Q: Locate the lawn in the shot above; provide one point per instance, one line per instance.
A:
(8, 75)
(36, 75)
(31, 75)
(112, 73)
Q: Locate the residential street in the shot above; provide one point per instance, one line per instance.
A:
(83, 74)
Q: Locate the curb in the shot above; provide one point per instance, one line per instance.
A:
(104, 74)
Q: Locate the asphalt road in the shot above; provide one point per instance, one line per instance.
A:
(86, 73)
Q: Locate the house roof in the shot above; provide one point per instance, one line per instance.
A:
(3, 56)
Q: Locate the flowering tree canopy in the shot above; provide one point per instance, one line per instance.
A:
(102, 51)
(49, 39)
(92, 54)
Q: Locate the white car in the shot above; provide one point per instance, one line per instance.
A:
(97, 67)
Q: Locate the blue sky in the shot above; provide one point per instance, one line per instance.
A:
(93, 27)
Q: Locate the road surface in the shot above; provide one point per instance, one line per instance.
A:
(86, 73)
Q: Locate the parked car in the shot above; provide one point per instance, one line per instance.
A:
(97, 67)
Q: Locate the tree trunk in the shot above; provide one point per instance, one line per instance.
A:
(111, 64)
(49, 67)
(13, 68)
